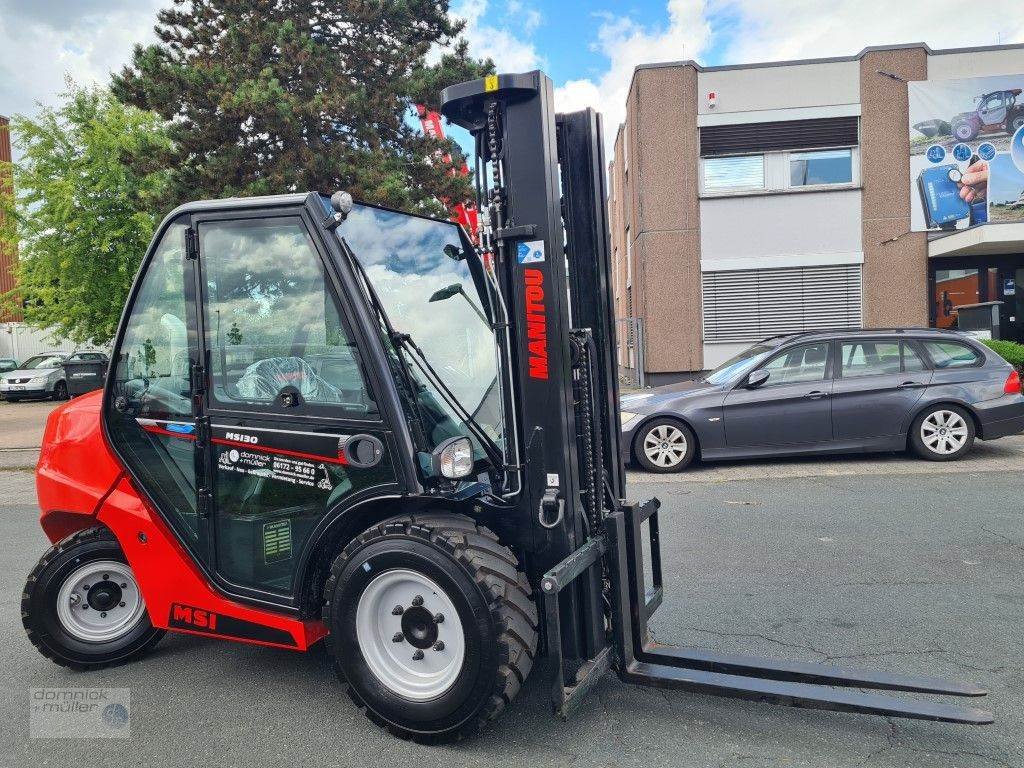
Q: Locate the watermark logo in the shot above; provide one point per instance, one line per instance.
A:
(79, 713)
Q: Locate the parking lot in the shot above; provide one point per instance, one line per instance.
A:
(880, 562)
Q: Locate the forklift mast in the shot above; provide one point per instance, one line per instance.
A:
(544, 235)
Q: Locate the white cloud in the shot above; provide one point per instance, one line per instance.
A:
(626, 43)
(37, 51)
(770, 30)
(508, 46)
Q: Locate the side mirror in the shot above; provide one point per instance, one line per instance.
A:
(757, 378)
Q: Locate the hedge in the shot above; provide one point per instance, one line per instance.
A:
(1012, 352)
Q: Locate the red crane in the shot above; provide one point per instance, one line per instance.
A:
(465, 212)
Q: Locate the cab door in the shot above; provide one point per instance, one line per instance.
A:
(149, 409)
(290, 426)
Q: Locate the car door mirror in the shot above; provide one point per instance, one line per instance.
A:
(757, 378)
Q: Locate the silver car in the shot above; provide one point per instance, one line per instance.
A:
(931, 391)
(39, 376)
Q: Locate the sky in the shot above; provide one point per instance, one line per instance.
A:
(589, 48)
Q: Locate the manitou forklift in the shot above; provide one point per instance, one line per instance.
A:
(332, 422)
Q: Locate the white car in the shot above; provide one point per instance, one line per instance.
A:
(39, 376)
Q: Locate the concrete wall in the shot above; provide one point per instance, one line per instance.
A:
(895, 259)
(766, 227)
(780, 87)
(955, 66)
(664, 168)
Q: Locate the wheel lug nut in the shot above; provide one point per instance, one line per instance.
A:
(397, 610)
(105, 577)
(438, 618)
(103, 615)
(398, 637)
(85, 586)
(120, 605)
(85, 607)
(417, 601)
(417, 656)
(124, 586)
(439, 645)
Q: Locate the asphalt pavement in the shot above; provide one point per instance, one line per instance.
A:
(914, 574)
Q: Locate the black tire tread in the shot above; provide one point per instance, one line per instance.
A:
(84, 536)
(495, 570)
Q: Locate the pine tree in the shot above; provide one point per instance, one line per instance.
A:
(271, 96)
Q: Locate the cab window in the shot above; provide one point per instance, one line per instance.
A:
(273, 324)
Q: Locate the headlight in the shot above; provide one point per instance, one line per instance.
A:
(626, 417)
(454, 458)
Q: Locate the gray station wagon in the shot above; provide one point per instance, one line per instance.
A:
(932, 391)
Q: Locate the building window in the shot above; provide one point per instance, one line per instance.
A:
(740, 172)
(779, 171)
(753, 304)
(833, 166)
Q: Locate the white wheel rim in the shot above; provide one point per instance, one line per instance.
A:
(944, 432)
(379, 625)
(665, 445)
(100, 602)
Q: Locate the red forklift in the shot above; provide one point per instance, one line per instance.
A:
(326, 421)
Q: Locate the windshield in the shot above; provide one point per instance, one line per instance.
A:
(42, 361)
(738, 364)
(421, 275)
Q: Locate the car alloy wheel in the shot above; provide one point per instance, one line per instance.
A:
(665, 446)
(944, 432)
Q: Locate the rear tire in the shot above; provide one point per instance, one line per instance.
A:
(79, 621)
(942, 433)
(664, 445)
(390, 658)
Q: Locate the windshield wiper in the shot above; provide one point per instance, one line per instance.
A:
(410, 388)
(403, 340)
(490, 447)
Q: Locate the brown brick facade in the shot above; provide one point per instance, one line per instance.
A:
(895, 259)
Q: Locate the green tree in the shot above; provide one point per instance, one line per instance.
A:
(292, 95)
(82, 212)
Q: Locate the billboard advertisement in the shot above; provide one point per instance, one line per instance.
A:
(966, 152)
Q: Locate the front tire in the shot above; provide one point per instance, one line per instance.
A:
(82, 607)
(664, 445)
(60, 391)
(432, 625)
(965, 130)
(942, 433)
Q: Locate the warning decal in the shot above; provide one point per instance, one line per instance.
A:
(277, 540)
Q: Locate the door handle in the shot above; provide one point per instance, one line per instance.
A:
(909, 384)
(816, 395)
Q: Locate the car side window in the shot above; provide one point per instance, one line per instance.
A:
(273, 323)
(807, 362)
(869, 358)
(951, 354)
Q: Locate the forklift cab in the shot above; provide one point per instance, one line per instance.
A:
(261, 387)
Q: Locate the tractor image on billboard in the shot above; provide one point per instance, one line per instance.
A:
(996, 112)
